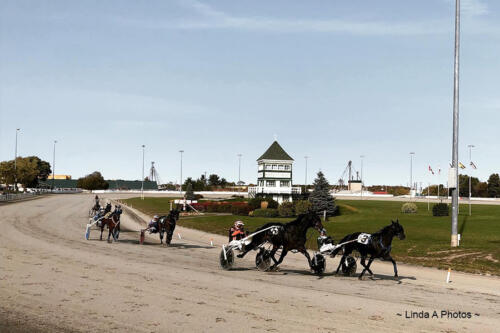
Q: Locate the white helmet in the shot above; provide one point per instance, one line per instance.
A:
(156, 217)
(239, 224)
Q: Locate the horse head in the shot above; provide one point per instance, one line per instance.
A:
(174, 214)
(398, 229)
(314, 221)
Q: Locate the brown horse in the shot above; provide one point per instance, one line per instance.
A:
(113, 224)
(166, 224)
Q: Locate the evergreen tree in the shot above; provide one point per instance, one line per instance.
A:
(189, 192)
(320, 197)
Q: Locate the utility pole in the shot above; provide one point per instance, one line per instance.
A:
(305, 180)
(411, 172)
(53, 164)
(142, 179)
(454, 192)
(180, 187)
(239, 169)
(470, 186)
(362, 156)
(15, 162)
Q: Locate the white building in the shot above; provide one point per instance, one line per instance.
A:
(275, 175)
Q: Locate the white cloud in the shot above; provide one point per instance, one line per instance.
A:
(209, 18)
(214, 19)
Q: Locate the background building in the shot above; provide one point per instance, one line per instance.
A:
(275, 175)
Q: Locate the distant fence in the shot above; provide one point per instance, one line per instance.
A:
(17, 196)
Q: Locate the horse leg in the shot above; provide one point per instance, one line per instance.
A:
(306, 254)
(272, 253)
(367, 267)
(168, 238)
(280, 260)
(161, 237)
(102, 229)
(393, 264)
(109, 234)
(363, 258)
(340, 263)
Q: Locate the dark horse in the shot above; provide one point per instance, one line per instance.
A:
(379, 246)
(113, 223)
(166, 224)
(290, 236)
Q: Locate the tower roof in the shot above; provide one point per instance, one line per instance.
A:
(275, 152)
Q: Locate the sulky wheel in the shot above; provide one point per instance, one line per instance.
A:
(226, 261)
(318, 264)
(349, 266)
(263, 259)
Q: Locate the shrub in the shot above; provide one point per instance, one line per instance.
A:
(409, 208)
(286, 209)
(269, 212)
(241, 210)
(440, 209)
(302, 206)
(254, 203)
(273, 204)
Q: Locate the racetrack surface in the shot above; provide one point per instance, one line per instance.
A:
(52, 279)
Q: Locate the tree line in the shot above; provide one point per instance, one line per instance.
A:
(479, 189)
(28, 171)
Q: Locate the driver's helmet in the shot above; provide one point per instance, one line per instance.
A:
(155, 218)
(239, 224)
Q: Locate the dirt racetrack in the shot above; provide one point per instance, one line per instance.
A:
(52, 279)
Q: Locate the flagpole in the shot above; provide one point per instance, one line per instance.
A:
(428, 196)
(470, 186)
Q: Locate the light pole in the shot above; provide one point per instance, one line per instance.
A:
(53, 164)
(180, 187)
(362, 156)
(239, 169)
(411, 171)
(470, 186)
(305, 181)
(15, 162)
(142, 179)
(454, 192)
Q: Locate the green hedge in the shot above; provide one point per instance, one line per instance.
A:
(269, 212)
(302, 206)
(286, 209)
(440, 209)
(241, 210)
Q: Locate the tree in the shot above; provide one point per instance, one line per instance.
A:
(29, 171)
(320, 197)
(463, 182)
(7, 172)
(213, 180)
(494, 185)
(94, 181)
(189, 192)
(480, 190)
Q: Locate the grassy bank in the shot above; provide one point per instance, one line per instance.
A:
(427, 241)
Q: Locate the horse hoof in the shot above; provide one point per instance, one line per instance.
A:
(240, 255)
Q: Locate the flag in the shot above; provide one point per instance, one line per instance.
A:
(430, 169)
(473, 165)
(461, 165)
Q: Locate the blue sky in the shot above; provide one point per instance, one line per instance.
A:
(332, 79)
